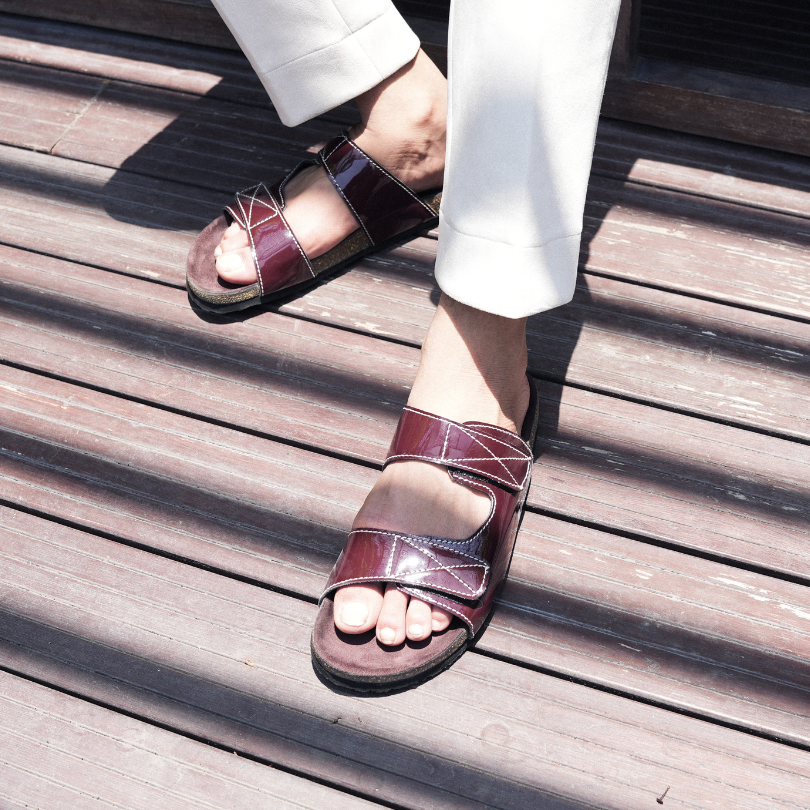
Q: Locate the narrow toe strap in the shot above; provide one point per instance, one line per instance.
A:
(384, 206)
(279, 259)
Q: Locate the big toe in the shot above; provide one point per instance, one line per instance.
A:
(233, 257)
(357, 608)
(236, 266)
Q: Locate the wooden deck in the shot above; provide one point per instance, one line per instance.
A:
(174, 491)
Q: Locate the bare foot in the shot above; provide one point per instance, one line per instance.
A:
(404, 122)
(473, 368)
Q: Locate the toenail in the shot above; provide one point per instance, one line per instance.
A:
(354, 614)
(436, 625)
(229, 262)
(217, 252)
(416, 630)
(387, 635)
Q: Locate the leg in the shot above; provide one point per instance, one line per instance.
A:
(519, 155)
(473, 367)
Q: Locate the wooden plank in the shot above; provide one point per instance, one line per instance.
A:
(680, 241)
(59, 752)
(757, 259)
(626, 339)
(717, 116)
(611, 337)
(696, 484)
(624, 238)
(37, 105)
(186, 20)
(704, 166)
(215, 73)
(153, 628)
(647, 154)
(704, 637)
(149, 478)
(137, 59)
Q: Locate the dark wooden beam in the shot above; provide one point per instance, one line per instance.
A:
(195, 21)
(647, 91)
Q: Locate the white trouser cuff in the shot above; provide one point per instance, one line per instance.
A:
(320, 81)
(503, 279)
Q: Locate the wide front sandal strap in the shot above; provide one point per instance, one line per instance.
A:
(451, 567)
(383, 205)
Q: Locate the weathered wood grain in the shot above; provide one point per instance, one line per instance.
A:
(185, 20)
(517, 737)
(704, 637)
(149, 478)
(696, 484)
(631, 340)
(700, 244)
(701, 113)
(617, 337)
(703, 166)
(37, 105)
(59, 752)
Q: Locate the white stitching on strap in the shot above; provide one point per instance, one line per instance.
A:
(450, 463)
(473, 434)
(422, 545)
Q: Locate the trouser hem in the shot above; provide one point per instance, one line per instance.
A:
(320, 81)
(509, 280)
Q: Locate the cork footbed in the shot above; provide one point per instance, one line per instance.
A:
(202, 278)
(361, 663)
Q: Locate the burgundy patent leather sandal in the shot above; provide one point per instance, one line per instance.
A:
(461, 576)
(386, 210)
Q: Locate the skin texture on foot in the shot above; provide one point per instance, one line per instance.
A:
(472, 368)
(403, 127)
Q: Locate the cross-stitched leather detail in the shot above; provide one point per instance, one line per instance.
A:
(486, 450)
(279, 259)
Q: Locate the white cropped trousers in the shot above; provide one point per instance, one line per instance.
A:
(526, 79)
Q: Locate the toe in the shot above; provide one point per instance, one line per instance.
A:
(233, 241)
(236, 266)
(440, 620)
(391, 622)
(418, 620)
(357, 608)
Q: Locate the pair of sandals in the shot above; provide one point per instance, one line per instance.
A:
(461, 577)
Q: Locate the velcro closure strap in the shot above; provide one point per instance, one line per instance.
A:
(486, 450)
(382, 205)
(448, 566)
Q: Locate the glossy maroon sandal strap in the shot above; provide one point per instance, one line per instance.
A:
(384, 206)
(460, 576)
(273, 245)
(450, 567)
(486, 450)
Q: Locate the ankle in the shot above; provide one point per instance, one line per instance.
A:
(473, 367)
(404, 123)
